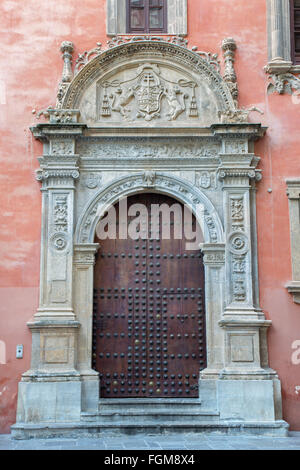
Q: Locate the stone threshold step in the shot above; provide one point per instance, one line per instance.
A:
(172, 412)
(47, 430)
(152, 401)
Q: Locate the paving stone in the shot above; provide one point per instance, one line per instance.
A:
(197, 447)
(151, 442)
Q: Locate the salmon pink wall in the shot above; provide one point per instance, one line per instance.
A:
(30, 69)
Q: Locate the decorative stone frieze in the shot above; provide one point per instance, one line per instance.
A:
(156, 149)
(63, 116)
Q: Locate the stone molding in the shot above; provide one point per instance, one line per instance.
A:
(177, 187)
(293, 193)
(84, 254)
(214, 254)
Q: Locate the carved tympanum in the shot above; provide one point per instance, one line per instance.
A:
(147, 94)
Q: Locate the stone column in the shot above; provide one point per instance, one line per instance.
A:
(279, 47)
(243, 387)
(214, 263)
(242, 318)
(84, 260)
(276, 28)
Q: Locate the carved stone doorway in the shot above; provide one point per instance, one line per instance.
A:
(149, 319)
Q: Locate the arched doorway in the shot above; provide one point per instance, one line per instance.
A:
(149, 318)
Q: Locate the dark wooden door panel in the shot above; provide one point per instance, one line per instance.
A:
(149, 320)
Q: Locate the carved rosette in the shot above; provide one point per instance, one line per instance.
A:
(238, 246)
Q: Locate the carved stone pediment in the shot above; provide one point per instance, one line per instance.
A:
(149, 83)
(151, 92)
(146, 92)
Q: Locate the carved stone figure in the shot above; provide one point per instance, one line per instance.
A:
(141, 97)
(283, 83)
(175, 107)
(149, 177)
(237, 116)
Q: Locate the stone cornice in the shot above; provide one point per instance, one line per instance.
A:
(84, 254)
(293, 188)
(251, 322)
(251, 131)
(45, 131)
(53, 324)
(293, 288)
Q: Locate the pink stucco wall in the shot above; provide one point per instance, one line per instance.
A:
(30, 67)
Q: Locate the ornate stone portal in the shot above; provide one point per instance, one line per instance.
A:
(148, 115)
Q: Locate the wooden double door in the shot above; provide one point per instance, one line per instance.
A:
(149, 319)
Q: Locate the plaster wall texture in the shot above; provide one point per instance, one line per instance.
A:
(30, 70)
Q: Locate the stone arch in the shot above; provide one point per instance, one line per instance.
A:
(173, 186)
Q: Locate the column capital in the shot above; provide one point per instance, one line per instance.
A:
(84, 254)
(214, 254)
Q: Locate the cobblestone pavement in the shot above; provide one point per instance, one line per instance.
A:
(162, 442)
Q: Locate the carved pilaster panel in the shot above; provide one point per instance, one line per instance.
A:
(235, 146)
(214, 263)
(62, 146)
(54, 346)
(238, 249)
(84, 259)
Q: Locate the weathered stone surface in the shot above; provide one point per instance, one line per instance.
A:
(86, 169)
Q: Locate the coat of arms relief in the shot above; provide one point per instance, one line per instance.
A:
(148, 95)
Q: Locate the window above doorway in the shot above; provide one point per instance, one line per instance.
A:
(146, 17)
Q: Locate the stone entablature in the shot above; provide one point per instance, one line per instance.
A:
(84, 169)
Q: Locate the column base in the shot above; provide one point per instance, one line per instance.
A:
(49, 401)
(242, 399)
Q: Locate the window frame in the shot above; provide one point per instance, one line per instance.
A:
(147, 30)
(295, 56)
